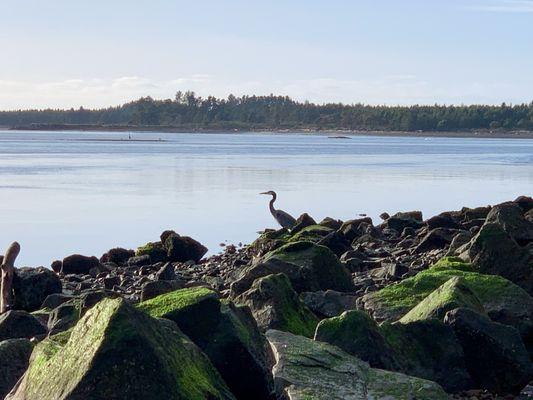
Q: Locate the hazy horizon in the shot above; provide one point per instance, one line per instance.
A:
(66, 54)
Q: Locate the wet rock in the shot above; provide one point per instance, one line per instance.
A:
(306, 369)
(328, 222)
(329, 303)
(183, 248)
(275, 305)
(495, 355)
(444, 220)
(352, 229)
(14, 360)
(78, 264)
(336, 242)
(438, 238)
(19, 324)
(161, 362)
(31, 286)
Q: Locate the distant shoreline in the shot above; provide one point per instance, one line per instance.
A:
(333, 133)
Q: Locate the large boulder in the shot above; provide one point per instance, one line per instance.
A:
(14, 360)
(275, 305)
(155, 251)
(428, 349)
(494, 251)
(78, 264)
(495, 355)
(452, 294)
(307, 369)
(311, 233)
(183, 248)
(357, 334)
(308, 266)
(510, 216)
(425, 349)
(19, 324)
(500, 298)
(31, 286)
(226, 333)
(117, 352)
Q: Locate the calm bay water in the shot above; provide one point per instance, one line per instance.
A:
(72, 192)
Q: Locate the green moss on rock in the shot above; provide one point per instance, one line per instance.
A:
(117, 352)
(275, 305)
(494, 293)
(312, 233)
(452, 294)
(155, 250)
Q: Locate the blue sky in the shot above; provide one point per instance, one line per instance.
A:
(63, 53)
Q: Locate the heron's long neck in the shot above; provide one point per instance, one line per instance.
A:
(271, 205)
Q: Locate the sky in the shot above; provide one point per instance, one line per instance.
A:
(98, 53)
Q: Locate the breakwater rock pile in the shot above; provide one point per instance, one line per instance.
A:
(409, 308)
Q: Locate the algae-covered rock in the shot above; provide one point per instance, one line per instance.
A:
(311, 370)
(357, 334)
(452, 294)
(275, 305)
(428, 349)
(496, 294)
(227, 334)
(154, 250)
(118, 352)
(312, 233)
(308, 266)
(14, 359)
(495, 355)
(495, 251)
(425, 349)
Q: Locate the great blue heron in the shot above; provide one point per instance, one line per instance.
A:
(283, 218)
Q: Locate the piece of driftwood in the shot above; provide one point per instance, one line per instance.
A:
(8, 270)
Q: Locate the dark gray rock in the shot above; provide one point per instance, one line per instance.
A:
(329, 303)
(495, 355)
(166, 273)
(117, 255)
(183, 248)
(78, 264)
(139, 261)
(302, 222)
(19, 324)
(31, 286)
(14, 360)
(155, 288)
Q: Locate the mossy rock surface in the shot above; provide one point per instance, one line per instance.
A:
(452, 294)
(312, 233)
(306, 369)
(496, 294)
(118, 352)
(308, 266)
(357, 334)
(155, 250)
(226, 333)
(275, 305)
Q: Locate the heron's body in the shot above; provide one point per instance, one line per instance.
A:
(286, 220)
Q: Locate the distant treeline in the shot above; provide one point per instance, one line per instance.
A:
(278, 112)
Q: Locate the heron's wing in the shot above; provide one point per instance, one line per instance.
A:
(285, 219)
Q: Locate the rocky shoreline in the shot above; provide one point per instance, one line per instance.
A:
(408, 308)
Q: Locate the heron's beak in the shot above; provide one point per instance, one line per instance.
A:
(263, 193)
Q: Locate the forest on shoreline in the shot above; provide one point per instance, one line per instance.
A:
(188, 110)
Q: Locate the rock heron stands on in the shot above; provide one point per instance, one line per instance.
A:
(283, 218)
(8, 271)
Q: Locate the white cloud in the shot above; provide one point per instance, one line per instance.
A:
(507, 6)
(391, 90)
